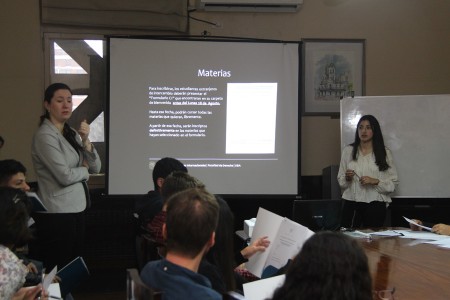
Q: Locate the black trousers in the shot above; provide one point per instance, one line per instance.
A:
(363, 215)
(59, 238)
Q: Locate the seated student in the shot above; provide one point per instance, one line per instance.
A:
(219, 264)
(330, 265)
(176, 182)
(440, 228)
(14, 231)
(13, 175)
(148, 206)
(189, 231)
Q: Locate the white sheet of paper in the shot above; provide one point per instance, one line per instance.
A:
(445, 243)
(421, 235)
(54, 290)
(263, 288)
(287, 244)
(267, 224)
(414, 223)
(286, 239)
(387, 233)
(48, 278)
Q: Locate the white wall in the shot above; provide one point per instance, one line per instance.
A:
(21, 78)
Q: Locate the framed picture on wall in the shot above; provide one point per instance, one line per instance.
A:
(332, 69)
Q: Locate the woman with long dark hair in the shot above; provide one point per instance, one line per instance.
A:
(63, 158)
(367, 176)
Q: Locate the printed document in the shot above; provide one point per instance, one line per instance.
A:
(286, 239)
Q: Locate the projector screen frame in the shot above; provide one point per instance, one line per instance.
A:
(209, 39)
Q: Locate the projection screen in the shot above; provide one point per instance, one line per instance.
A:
(228, 109)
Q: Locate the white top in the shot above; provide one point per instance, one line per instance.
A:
(365, 166)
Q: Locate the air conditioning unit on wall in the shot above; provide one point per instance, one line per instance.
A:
(249, 5)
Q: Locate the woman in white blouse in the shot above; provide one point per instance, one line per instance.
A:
(367, 176)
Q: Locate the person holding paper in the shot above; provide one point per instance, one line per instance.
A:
(63, 158)
(367, 176)
(440, 228)
(14, 232)
(330, 265)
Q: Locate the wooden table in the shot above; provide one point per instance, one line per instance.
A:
(417, 271)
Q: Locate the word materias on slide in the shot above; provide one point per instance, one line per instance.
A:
(212, 73)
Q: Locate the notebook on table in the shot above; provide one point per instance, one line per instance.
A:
(318, 215)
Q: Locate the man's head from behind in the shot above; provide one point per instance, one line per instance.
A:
(179, 181)
(163, 168)
(191, 221)
(12, 174)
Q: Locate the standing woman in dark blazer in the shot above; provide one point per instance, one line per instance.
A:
(62, 159)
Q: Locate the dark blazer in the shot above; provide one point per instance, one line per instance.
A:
(59, 170)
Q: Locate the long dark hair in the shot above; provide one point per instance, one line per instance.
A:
(329, 266)
(222, 254)
(68, 133)
(379, 149)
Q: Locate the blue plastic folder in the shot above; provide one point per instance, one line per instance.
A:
(72, 275)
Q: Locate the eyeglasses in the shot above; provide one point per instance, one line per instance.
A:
(385, 294)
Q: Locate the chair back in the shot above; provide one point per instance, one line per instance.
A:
(138, 290)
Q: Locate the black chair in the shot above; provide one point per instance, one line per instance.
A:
(147, 249)
(137, 290)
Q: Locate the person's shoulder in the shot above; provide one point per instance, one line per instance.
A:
(150, 197)
(147, 206)
(153, 195)
(209, 293)
(348, 148)
(388, 152)
(46, 128)
(151, 266)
